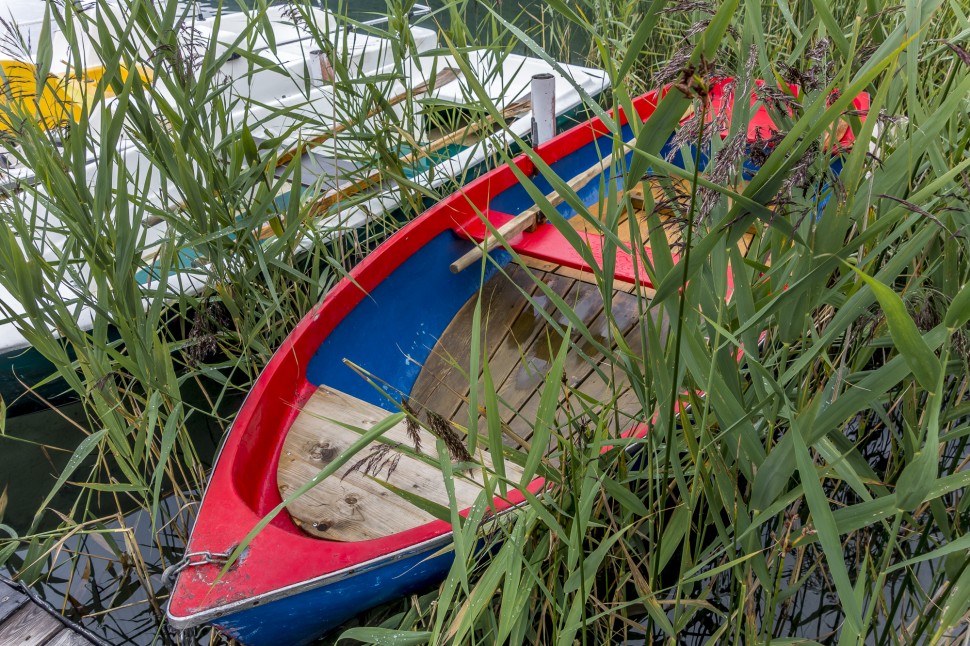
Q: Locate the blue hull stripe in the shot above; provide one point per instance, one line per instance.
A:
(303, 617)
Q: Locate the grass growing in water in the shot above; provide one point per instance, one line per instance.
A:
(832, 458)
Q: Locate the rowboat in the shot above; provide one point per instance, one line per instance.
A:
(387, 354)
(293, 101)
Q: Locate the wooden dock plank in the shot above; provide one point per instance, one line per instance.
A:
(67, 637)
(29, 626)
(11, 600)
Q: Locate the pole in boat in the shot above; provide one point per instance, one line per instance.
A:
(543, 108)
(323, 71)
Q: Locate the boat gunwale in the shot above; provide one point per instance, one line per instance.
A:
(183, 622)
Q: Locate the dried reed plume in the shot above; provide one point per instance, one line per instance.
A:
(376, 461)
(442, 429)
(412, 427)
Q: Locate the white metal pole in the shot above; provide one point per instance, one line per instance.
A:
(543, 108)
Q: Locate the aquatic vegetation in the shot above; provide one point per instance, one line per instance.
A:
(805, 400)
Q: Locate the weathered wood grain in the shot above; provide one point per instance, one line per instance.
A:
(504, 357)
(520, 361)
(444, 375)
(529, 374)
(11, 600)
(579, 369)
(68, 637)
(29, 626)
(350, 505)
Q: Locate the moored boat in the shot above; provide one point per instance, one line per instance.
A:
(292, 100)
(388, 354)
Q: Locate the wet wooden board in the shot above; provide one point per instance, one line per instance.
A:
(68, 638)
(24, 621)
(11, 600)
(351, 505)
(529, 374)
(30, 626)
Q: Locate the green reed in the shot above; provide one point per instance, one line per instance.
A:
(807, 427)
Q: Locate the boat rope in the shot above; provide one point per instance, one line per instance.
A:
(192, 559)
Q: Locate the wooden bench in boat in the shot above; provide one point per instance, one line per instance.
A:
(351, 505)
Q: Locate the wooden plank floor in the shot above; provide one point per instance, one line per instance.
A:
(25, 622)
(522, 331)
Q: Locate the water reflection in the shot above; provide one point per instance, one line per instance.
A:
(101, 574)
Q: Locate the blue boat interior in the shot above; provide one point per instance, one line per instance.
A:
(408, 311)
(401, 320)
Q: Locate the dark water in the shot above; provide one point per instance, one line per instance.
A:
(95, 576)
(35, 449)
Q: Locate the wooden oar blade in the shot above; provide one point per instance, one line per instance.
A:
(443, 77)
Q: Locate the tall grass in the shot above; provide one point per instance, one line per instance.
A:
(807, 425)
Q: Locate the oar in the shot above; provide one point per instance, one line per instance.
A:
(352, 187)
(446, 75)
(511, 111)
(528, 218)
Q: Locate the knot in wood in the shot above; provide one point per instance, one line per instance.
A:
(323, 452)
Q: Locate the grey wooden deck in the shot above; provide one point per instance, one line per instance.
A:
(25, 621)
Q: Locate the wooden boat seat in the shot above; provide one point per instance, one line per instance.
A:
(351, 505)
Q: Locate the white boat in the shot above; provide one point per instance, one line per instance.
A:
(297, 81)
